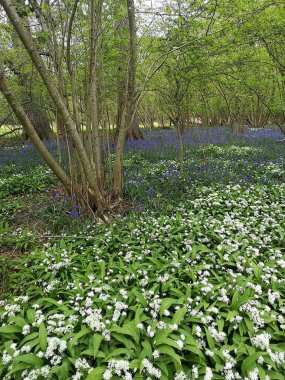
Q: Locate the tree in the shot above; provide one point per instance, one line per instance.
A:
(88, 176)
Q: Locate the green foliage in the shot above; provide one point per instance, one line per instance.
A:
(13, 183)
(17, 241)
(195, 289)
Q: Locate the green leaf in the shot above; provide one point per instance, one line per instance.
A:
(30, 359)
(128, 329)
(126, 341)
(235, 299)
(43, 337)
(103, 269)
(167, 350)
(232, 314)
(194, 349)
(256, 270)
(147, 347)
(62, 371)
(275, 375)
(210, 340)
(262, 373)
(249, 363)
(96, 342)
(96, 374)
(10, 329)
(18, 367)
(28, 338)
(19, 321)
(249, 325)
(166, 303)
(166, 341)
(140, 297)
(135, 363)
(179, 315)
(80, 334)
(120, 351)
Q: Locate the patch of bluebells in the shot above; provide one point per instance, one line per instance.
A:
(24, 157)
(210, 157)
(74, 212)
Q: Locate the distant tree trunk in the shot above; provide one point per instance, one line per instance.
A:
(37, 117)
(117, 182)
(40, 123)
(178, 124)
(134, 131)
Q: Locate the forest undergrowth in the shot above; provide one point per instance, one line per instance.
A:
(186, 283)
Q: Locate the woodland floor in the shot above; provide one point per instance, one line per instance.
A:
(187, 281)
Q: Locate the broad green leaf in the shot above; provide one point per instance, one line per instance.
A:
(10, 329)
(128, 329)
(84, 331)
(166, 341)
(147, 347)
(19, 367)
(179, 315)
(167, 350)
(43, 337)
(96, 373)
(96, 341)
(166, 303)
(30, 359)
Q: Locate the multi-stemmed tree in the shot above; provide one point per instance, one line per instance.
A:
(79, 117)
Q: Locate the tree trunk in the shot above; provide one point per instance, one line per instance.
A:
(134, 131)
(117, 182)
(40, 123)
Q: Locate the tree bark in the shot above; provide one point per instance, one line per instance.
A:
(134, 131)
(117, 182)
(93, 88)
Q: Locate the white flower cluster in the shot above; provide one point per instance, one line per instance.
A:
(35, 374)
(119, 307)
(55, 350)
(273, 296)
(181, 376)
(218, 336)
(93, 320)
(54, 262)
(261, 340)
(150, 369)
(81, 365)
(118, 367)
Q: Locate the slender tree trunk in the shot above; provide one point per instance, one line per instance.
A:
(70, 67)
(180, 148)
(117, 182)
(133, 130)
(93, 88)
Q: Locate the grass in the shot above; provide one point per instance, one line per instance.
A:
(187, 285)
